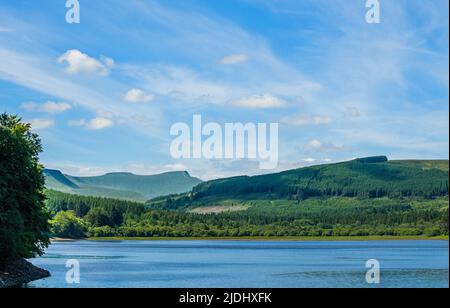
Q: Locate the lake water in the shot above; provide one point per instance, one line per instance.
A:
(246, 264)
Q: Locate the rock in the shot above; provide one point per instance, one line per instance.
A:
(19, 273)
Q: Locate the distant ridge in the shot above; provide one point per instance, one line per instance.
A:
(122, 185)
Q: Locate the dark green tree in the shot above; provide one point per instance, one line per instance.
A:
(98, 217)
(24, 227)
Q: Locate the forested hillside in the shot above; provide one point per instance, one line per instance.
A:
(358, 178)
(373, 177)
(364, 197)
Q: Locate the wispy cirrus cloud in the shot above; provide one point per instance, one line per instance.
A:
(47, 107)
(306, 119)
(203, 37)
(265, 101)
(234, 59)
(323, 147)
(313, 63)
(98, 123)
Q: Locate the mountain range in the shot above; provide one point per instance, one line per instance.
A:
(121, 185)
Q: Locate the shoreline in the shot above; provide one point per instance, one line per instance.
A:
(271, 239)
(19, 273)
(62, 239)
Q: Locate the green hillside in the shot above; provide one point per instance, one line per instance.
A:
(126, 186)
(373, 177)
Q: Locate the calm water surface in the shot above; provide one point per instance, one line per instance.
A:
(203, 264)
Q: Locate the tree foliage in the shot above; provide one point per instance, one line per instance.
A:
(67, 225)
(24, 227)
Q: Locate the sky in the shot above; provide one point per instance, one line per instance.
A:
(104, 93)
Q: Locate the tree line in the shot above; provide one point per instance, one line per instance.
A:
(102, 217)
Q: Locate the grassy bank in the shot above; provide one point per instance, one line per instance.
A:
(284, 238)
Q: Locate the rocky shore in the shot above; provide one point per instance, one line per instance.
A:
(19, 273)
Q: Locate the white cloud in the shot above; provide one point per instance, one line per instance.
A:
(301, 120)
(109, 62)
(42, 123)
(324, 147)
(48, 107)
(176, 167)
(43, 75)
(93, 124)
(309, 160)
(180, 83)
(138, 96)
(315, 144)
(234, 59)
(78, 62)
(99, 123)
(140, 168)
(260, 102)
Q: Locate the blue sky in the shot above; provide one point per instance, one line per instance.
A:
(104, 93)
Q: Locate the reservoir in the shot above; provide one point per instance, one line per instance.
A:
(246, 264)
